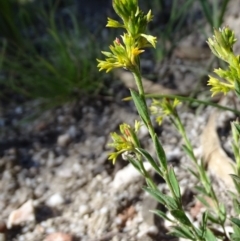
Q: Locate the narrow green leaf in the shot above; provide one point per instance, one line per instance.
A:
(134, 137)
(188, 152)
(237, 186)
(162, 198)
(193, 173)
(222, 214)
(209, 236)
(233, 238)
(141, 106)
(182, 232)
(237, 126)
(154, 195)
(204, 221)
(205, 217)
(212, 218)
(235, 221)
(150, 160)
(201, 190)
(161, 215)
(170, 202)
(204, 178)
(236, 231)
(174, 183)
(149, 183)
(160, 153)
(237, 88)
(236, 206)
(181, 217)
(235, 177)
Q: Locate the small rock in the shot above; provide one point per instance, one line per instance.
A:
(127, 214)
(63, 140)
(50, 159)
(143, 132)
(55, 200)
(72, 131)
(40, 190)
(23, 214)
(23, 194)
(64, 173)
(58, 237)
(84, 209)
(174, 154)
(153, 230)
(148, 203)
(97, 223)
(146, 230)
(128, 175)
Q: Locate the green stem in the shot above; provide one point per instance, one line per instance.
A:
(212, 193)
(148, 177)
(138, 80)
(183, 133)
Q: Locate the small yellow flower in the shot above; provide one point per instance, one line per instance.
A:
(125, 142)
(114, 24)
(125, 56)
(221, 45)
(162, 108)
(137, 126)
(150, 41)
(219, 86)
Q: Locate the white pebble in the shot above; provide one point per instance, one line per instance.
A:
(63, 140)
(55, 200)
(84, 209)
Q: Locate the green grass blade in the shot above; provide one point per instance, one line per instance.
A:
(223, 11)
(207, 11)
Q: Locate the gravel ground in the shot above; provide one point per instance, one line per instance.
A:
(57, 166)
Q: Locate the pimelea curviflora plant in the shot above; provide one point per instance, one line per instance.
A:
(125, 54)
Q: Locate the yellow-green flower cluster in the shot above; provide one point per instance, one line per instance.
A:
(219, 86)
(134, 20)
(163, 108)
(127, 141)
(125, 54)
(221, 45)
